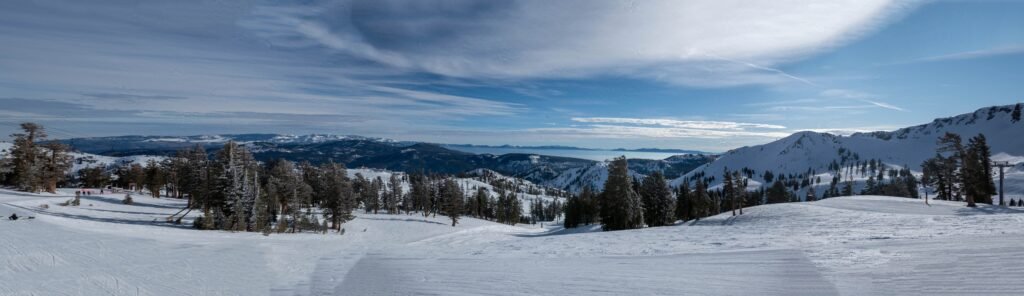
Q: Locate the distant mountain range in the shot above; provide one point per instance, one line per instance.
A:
(356, 151)
(799, 154)
(559, 147)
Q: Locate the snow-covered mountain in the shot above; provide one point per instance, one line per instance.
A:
(270, 138)
(811, 151)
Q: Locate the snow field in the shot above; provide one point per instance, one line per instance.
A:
(862, 245)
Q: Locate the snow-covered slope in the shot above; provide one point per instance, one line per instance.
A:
(526, 191)
(812, 151)
(86, 160)
(861, 245)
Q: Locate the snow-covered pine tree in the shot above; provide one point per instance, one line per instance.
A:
(394, 195)
(373, 196)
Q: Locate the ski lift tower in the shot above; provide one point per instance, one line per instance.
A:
(1002, 165)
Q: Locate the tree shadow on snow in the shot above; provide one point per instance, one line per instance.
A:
(156, 222)
(124, 212)
(564, 231)
(984, 209)
(402, 220)
(135, 202)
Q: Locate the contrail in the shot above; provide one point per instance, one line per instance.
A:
(763, 68)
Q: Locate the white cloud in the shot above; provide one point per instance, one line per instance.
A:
(689, 124)
(846, 131)
(702, 43)
(191, 63)
(619, 128)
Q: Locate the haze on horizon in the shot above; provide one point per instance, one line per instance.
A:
(702, 75)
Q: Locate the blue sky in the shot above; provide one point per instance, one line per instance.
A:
(708, 75)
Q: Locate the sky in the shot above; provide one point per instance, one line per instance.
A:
(705, 75)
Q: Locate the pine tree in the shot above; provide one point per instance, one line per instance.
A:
(154, 178)
(684, 202)
(420, 193)
(728, 191)
(701, 201)
(572, 212)
(335, 193)
(27, 166)
(621, 207)
(229, 197)
(371, 195)
(657, 200)
(777, 193)
(453, 200)
(195, 175)
(262, 208)
(36, 164)
(56, 163)
(394, 194)
(739, 192)
(481, 202)
(966, 161)
(1015, 116)
(590, 207)
(982, 184)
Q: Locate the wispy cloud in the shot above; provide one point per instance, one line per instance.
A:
(871, 99)
(191, 63)
(612, 127)
(676, 41)
(974, 54)
(884, 105)
(688, 124)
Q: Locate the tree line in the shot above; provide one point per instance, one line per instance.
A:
(33, 163)
(627, 203)
(233, 191)
(961, 172)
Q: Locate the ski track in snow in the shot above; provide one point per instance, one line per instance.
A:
(864, 245)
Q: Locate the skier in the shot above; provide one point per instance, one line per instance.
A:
(13, 217)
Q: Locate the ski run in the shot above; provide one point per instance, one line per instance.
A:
(859, 245)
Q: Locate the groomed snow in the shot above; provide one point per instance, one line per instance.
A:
(862, 245)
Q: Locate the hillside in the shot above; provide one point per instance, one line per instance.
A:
(861, 245)
(805, 152)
